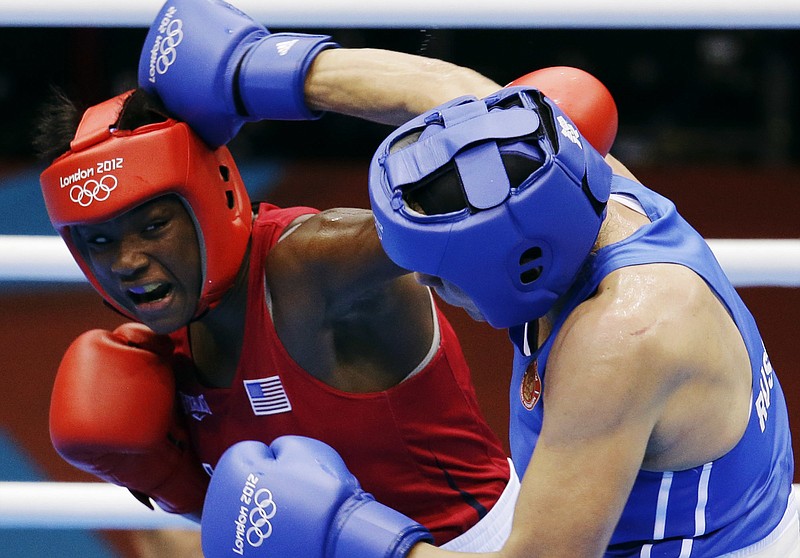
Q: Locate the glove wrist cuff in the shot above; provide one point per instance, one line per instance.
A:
(272, 76)
(364, 527)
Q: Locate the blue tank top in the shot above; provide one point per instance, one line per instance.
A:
(718, 507)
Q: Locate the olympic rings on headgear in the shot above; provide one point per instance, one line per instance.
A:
(83, 195)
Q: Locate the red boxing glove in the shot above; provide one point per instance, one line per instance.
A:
(583, 98)
(113, 414)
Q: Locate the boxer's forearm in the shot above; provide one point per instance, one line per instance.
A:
(385, 86)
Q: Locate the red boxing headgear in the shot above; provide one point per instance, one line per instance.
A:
(108, 172)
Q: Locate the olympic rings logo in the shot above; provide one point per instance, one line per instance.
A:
(93, 190)
(265, 509)
(173, 37)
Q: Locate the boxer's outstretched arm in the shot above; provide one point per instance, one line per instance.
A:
(386, 86)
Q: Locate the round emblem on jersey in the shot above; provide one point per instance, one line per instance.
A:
(531, 388)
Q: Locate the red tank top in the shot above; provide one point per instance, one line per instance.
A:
(421, 447)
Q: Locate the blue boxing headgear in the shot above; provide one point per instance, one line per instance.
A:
(501, 196)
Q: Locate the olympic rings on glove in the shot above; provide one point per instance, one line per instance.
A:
(173, 37)
(265, 509)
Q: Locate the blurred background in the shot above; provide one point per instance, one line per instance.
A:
(707, 117)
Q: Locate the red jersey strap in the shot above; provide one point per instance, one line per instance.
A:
(277, 218)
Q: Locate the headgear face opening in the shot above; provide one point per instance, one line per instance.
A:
(108, 172)
(500, 196)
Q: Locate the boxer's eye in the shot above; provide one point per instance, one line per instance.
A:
(98, 240)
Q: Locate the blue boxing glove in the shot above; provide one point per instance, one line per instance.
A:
(215, 68)
(297, 498)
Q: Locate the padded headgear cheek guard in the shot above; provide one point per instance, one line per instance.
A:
(513, 248)
(108, 172)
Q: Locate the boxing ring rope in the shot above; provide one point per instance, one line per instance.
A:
(747, 262)
(426, 14)
(80, 505)
(86, 505)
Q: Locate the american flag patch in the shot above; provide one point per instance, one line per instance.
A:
(267, 396)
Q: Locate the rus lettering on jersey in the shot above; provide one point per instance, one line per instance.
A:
(765, 383)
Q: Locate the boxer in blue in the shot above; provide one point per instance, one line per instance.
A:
(644, 409)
